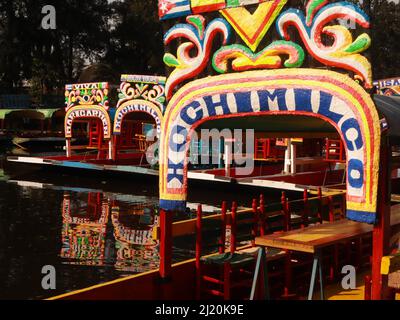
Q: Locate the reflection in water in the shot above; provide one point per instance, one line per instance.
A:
(90, 229)
(84, 229)
(89, 239)
(133, 232)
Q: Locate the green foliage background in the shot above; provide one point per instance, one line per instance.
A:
(123, 36)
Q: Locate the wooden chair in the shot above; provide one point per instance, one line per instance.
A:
(301, 213)
(244, 229)
(304, 212)
(141, 142)
(296, 211)
(274, 217)
(357, 251)
(230, 263)
(312, 209)
(210, 235)
(143, 146)
(337, 205)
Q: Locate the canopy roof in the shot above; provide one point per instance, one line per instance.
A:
(389, 108)
(42, 113)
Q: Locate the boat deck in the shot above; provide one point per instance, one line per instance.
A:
(336, 292)
(262, 176)
(183, 276)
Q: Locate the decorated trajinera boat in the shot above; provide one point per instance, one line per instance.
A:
(125, 139)
(290, 72)
(284, 153)
(388, 87)
(112, 135)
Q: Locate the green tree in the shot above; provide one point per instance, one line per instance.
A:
(136, 38)
(80, 38)
(385, 32)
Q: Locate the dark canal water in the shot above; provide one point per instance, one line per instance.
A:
(91, 229)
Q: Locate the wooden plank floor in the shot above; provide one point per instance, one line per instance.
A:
(336, 292)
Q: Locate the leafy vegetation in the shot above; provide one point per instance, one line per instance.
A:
(124, 36)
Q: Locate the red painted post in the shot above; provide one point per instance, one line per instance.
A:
(288, 276)
(381, 231)
(223, 236)
(198, 252)
(165, 244)
(285, 207)
(198, 235)
(263, 218)
(49, 125)
(333, 270)
(114, 147)
(320, 217)
(255, 220)
(227, 281)
(305, 209)
(331, 213)
(367, 286)
(233, 227)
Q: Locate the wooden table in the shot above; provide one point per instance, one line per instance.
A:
(313, 239)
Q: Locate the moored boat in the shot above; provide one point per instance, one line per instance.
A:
(219, 78)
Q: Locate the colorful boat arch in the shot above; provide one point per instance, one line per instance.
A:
(328, 95)
(137, 105)
(87, 100)
(87, 111)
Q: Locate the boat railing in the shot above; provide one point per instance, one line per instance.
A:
(333, 204)
(88, 153)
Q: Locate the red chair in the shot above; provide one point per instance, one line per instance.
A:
(274, 217)
(210, 235)
(224, 267)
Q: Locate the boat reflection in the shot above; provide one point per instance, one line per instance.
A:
(85, 218)
(89, 239)
(133, 229)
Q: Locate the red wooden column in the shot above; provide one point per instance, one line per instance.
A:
(114, 147)
(381, 231)
(68, 147)
(41, 126)
(49, 126)
(165, 244)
